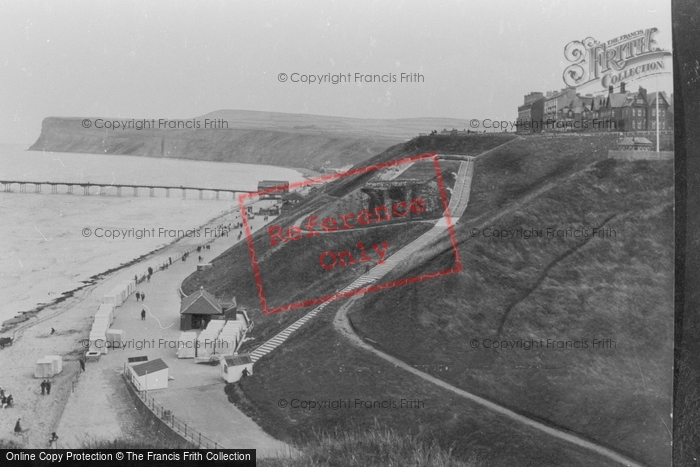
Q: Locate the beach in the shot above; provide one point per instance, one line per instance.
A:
(44, 252)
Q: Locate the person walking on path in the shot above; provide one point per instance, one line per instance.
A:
(143, 297)
(82, 364)
(48, 387)
(150, 270)
(53, 441)
(143, 314)
(18, 427)
(138, 295)
(43, 388)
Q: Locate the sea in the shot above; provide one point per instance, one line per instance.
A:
(44, 251)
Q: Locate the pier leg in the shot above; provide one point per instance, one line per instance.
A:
(86, 190)
(54, 189)
(7, 187)
(37, 188)
(22, 187)
(136, 191)
(153, 192)
(70, 189)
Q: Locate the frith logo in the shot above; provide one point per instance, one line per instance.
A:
(598, 65)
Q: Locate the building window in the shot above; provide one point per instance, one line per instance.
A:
(653, 125)
(653, 112)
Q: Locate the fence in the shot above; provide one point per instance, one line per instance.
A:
(632, 155)
(166, 417)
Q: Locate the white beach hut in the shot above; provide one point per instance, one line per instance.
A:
(110, 299)
(56, 363)
(186, 344)
(43, 368)
(232, 367)
(98, 342)
(115, 337)
(150, 375)
(106, 310)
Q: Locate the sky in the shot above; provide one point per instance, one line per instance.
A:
(179, 59)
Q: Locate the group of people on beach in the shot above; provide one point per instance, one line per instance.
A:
(45, 387)
(5, 400)
(140, 296)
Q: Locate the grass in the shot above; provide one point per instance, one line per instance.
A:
(377, 447)
(316, 364)
(557, 288)
(564, 289)
(302, 277)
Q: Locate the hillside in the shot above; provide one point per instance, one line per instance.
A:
(289, 140)
(302, 278)
(615, 285)
(520, 289)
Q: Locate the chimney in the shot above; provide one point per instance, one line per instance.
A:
(610, 89)
(622, 87)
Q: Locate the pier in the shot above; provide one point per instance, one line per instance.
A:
(103, 189)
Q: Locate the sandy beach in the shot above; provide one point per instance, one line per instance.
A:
(92, 405)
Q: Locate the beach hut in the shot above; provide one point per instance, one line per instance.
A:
(115, 338)
(232, 367)
(106, 310)
(43, 368)
(109, 299)
(238, 326)
(150, 375)
(186, 344)
(206, 345)
(101, 323)
(198, 309)
(56, 363)
(98, 342)
(227, 341)
(131, 361)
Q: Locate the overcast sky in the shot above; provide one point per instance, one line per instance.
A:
(181, 59)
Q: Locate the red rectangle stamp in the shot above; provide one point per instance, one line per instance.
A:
(386, 196)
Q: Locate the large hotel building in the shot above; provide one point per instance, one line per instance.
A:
(567, 111)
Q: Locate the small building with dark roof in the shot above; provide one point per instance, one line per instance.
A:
(200, 307)
(286, 207)
(150, 375)
(293, 197)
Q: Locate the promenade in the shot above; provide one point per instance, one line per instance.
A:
(99, 409)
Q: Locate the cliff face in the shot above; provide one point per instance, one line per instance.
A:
(288, 140)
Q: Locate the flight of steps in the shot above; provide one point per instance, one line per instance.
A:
(458, 203)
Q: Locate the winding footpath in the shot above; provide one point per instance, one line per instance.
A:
(457, 206)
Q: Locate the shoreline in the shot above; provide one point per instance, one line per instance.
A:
(71, 317)
(23, 316)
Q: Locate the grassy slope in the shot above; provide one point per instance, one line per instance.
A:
(317, 364)
(302, 278)
(618, 288)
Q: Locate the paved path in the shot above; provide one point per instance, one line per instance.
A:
(196, 392)
(343, 326)
(457, 206)
(458, 203)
